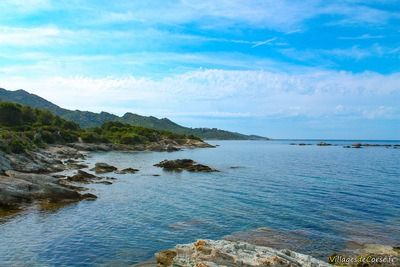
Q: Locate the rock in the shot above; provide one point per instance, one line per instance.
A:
(83, 177)
(369, 254)
(88, 196)
(127, 170)
(104, 182)
(5, 163)
(211, 253)
(183, 164)
(17, 188)
(357, 145)
(77, 166)
(103, 168)
(166, 257)
(323, 144)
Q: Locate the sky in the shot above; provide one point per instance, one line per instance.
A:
(283, 69)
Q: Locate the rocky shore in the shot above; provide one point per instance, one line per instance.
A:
(213, 253)
(210, 253)
(38, 175)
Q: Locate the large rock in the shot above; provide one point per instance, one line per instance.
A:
(17, 188)
(183, 164)
(210, 253)
(83, 177)
(103, 168)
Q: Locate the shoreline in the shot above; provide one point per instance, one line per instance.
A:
(33, 177)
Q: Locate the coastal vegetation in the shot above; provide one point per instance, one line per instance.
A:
(25, 128)
(86, 119)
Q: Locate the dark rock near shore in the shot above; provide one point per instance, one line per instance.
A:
(104, 182)
(127, 170)
(103, 168)
(184, 164)
(83, 177)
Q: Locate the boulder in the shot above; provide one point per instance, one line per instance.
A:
(183, 164)
(83, 177)
(18, 188)
(103, 168)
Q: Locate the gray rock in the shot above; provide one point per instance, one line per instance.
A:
(17, 188)
(211, 253)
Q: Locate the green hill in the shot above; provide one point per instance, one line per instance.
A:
(24, 128)
(88, 119)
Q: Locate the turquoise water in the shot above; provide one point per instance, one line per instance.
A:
(331, 194)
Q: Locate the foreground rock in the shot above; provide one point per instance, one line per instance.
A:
(209, 253)
(20, 188)
(184, 164)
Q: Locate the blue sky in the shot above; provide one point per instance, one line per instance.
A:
(283, 69)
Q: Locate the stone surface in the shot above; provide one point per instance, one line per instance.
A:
(212, 253)
(18, 188)
(83, 177)
(183, 164)
(101, 167)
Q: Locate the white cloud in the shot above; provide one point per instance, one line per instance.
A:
(28, 36)
(221, 93)
(361, 37)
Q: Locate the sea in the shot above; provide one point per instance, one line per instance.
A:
(317, 199)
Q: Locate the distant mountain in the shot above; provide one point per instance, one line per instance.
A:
(88, 119)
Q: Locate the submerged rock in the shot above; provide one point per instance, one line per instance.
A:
(184, 164)
(101, 167)
(127, 170)
(210, 253)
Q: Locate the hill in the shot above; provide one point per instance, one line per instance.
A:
(87, 119)
(23, 128)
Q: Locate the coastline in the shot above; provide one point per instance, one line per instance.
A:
(54, 175)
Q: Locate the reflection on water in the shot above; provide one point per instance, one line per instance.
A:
(312, 199)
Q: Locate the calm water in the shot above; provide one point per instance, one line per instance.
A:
(330, 194)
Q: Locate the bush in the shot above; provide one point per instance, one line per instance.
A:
(131, 139)
(16, 146)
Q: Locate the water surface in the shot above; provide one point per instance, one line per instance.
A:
(331, 195)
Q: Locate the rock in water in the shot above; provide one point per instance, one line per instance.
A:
(83, 177)
(103, 168)
(183, 164)
(210, 253)
(127, 170)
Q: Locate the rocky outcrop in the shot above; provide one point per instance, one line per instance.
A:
(210, 253)
(367, 255)
(83, 177)
(183, 164)
(17, 188)
(101, 167)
